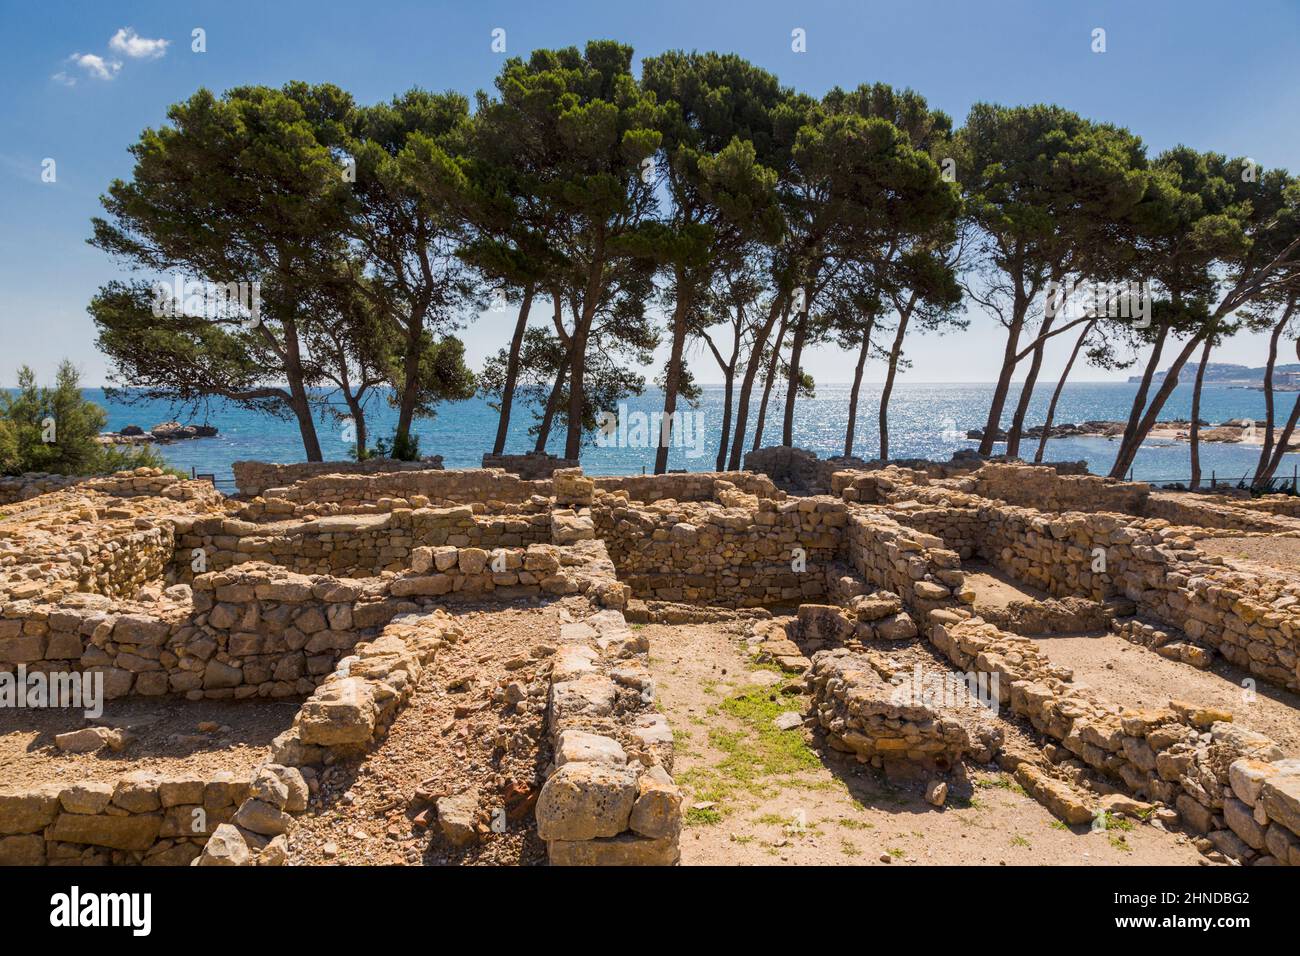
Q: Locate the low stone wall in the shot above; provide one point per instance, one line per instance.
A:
(354, 706)
(1209, 511)
(693, 486)
(914, 565)
(354, 545)
(1285, 505)
(1042, 487)
(609, 798)
(259, 630)
(795, 470)
(1178, 754)
(139, 819)
(417, 487)
(1069, 615)
(866, 712)
(82, 539)
(254, 477)
(1173, 646)
(530, 466)
(121, 484)
(709, 553)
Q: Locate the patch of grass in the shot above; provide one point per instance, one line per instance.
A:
(895, 852)
(1119, 843)
(849, 823)
(848, 849)
(1058, 825)
(742, 838)
(1000, 781)
(1110, 821)
(703, 816)
(1018, 840)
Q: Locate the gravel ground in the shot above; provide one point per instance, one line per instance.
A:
(456, 736)
(1135, 676)
(755, 796)
(1270, 554)
(167, 736)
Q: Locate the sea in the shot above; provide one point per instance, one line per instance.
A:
(925, 421)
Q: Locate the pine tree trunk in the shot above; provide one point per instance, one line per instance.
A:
(780, 306)
(794, 378)
(512, 371)
(1019, 308)
(1027, 392)
(857, 386)
(1195, 434)
(673, 379)
(773, 367)
(552, 406)
(895, 352)
(1056, 393)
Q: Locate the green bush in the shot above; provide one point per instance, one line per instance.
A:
(54, 430)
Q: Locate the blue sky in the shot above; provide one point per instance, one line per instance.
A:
(1212, 75)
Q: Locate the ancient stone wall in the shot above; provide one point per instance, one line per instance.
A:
(1042, 487)
(865, 712)
(259, 630)
(1207, 511)
(1179, 754)
(609, 797)
(122, 484)
(353, 545)
(695, 486)
(530, 466)
(138, 819)
(418, 488)
(254, 477)
(709, 553)
(914, 565)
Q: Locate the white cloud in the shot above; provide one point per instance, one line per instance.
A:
(129, 43)
(64, 79)
(96, 66)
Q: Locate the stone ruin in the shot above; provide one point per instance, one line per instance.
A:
(335, 588)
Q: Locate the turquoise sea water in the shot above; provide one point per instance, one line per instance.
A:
(926, 421)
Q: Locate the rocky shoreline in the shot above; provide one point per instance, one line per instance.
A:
(161, 434)
(1235, 431)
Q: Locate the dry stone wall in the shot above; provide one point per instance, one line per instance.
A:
(254, 477)
(530, 466)
(1042, 487)
(140, 819)
(358, 545)
(1179, 754)
(867, 711)
(1205, 511)
(609, 798)
(709, 553)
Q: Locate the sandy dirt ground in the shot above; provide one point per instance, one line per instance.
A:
(1268, 554)
(166, 737)
(1135, 676)
(456, 736)
(993, 588)
(760, 795)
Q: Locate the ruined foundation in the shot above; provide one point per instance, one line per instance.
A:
(338, 591)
